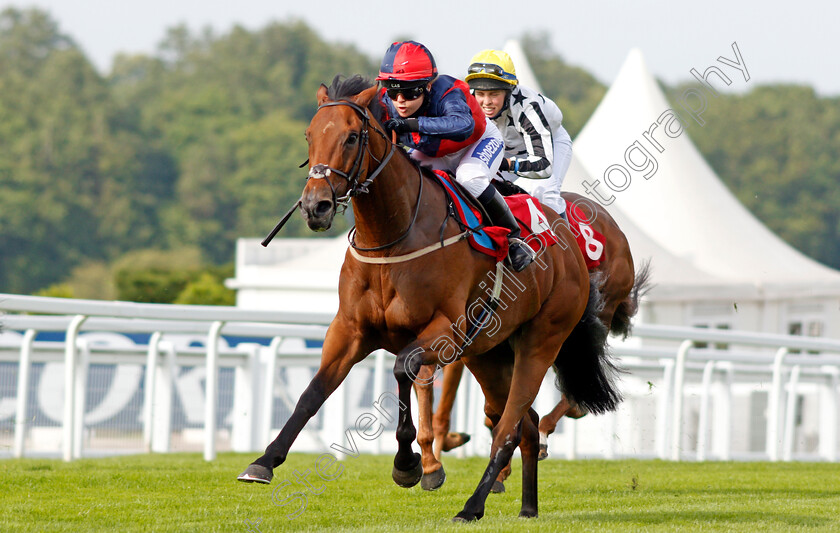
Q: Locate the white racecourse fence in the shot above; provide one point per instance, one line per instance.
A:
(88, 378)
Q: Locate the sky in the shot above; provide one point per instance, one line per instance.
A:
(790, 42)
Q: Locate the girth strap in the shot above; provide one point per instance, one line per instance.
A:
(408, 257)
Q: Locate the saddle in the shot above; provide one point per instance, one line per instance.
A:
(492, 240)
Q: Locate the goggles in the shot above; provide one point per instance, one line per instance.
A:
(490, 68)
(412, 93)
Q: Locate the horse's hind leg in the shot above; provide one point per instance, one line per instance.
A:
(433, 472)
(548, 423)
(491, 420)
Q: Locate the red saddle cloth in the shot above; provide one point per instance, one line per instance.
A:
(534, 226)
(590, 242)
(537, 232)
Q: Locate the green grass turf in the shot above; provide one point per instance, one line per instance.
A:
(181, 492)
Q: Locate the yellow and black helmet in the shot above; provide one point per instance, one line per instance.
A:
(491, 70)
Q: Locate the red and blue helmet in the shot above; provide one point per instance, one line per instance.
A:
(407, 63)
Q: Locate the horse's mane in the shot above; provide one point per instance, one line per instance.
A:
(343, 88)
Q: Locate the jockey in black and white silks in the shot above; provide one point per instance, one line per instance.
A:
(537, 146)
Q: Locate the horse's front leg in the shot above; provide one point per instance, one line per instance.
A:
(529, 369)
(444, 439)
(433, 473)
(343, 348)
(529, 446)
(491, 420)
(408, 468)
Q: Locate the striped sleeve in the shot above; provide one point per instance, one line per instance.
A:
(539, 143)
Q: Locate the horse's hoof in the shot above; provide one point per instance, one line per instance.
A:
(527, 514)
(256, 474)
(464, 517)
(408, 478)
(498, 487)
(543, 452)
(433, 481)
(454, 440)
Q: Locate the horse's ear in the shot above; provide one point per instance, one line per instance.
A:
(322, 94)
(364, 98)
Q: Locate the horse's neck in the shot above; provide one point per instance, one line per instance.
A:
(386, 211)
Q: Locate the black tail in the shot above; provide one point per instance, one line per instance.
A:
(585, 373)
(622, 318)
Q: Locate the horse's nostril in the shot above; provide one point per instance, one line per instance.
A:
(323, 207)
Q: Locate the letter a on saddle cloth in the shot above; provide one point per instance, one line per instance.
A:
(536, 230)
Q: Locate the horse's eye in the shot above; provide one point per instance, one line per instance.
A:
(353, 138)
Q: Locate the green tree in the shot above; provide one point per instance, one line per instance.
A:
(195, 146)
(72, 182)
(231, 111)
(58, 290)
(155, 276)
(778, 149)
(206, 289)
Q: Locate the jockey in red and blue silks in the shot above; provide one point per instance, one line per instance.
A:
(443, 126)
(449, 122)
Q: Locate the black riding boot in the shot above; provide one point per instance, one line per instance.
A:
(500, 215)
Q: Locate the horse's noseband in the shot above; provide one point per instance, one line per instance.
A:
(357, 187)
(319, 172)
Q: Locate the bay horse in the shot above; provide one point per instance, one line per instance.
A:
(406, 285)
(621, 289)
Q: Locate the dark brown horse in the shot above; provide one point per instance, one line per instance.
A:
(403, 290)
(621, 289)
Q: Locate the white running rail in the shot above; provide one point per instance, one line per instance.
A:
(685, 379)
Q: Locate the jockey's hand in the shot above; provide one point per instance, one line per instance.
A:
(505, 164)
(402, 125)
(506, 188)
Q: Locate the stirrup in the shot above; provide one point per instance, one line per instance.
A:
(527, 250)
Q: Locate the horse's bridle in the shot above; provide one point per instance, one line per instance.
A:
(357, 187)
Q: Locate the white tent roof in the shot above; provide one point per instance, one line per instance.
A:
(672, 276)
(683, 208)
(523, 69)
